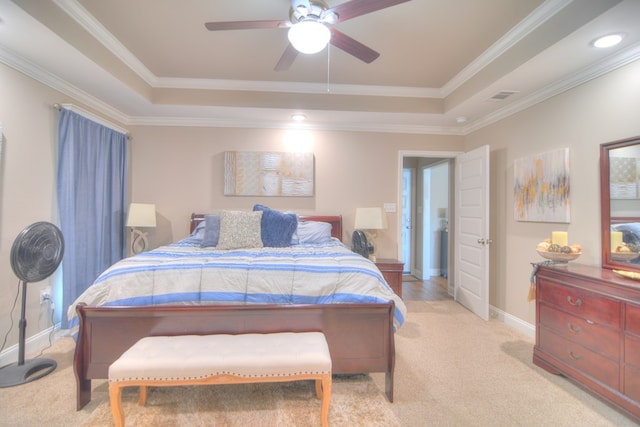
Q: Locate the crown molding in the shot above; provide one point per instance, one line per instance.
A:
(23, 65)
(298, 87)
(593, 71)
(538, 17)
(87, 21)
(604, 66)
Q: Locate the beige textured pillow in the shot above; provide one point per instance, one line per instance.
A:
(239, 229)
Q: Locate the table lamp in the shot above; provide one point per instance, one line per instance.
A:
(140, 215)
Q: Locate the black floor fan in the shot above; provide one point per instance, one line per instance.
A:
(35, 255)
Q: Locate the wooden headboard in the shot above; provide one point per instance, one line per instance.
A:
(334, 220)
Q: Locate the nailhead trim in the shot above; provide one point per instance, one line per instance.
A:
(217, 374)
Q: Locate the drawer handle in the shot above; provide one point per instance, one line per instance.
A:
(576, 303)
(573, 356)
(576, 330)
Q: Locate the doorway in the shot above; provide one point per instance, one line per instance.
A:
(426, 180)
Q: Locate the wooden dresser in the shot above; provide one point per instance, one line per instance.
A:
(588, 329)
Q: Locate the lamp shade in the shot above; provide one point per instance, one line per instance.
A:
(370, 219)
(141, 215)
(309, 36)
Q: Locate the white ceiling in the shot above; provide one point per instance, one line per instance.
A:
(152, 62)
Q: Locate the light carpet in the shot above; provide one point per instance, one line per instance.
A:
(452, 369)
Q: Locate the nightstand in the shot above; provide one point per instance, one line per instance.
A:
(391, 270)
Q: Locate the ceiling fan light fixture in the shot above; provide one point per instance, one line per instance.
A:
(309, 36)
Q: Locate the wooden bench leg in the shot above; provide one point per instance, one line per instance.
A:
(115, 399)
(326, 398)
(144, 392)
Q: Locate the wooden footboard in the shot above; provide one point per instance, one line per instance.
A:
(360, 336)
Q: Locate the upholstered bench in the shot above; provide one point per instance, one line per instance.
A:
(162, 361)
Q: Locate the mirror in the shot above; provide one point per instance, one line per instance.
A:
(620, 200)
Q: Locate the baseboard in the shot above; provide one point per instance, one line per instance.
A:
(32, 346)
(518, 324)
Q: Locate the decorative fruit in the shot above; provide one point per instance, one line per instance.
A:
(576, 249)
(566, 249)
(543, 246)
(622, 248)
(554, 247)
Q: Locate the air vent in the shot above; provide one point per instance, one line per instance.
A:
(502, 95)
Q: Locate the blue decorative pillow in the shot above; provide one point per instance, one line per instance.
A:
(211, 231)
(277, 228)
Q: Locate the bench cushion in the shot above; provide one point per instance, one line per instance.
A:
(190, 357)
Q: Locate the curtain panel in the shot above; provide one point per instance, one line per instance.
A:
(92, 195)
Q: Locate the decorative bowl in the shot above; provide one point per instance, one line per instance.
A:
(559, 256)
(624, 256)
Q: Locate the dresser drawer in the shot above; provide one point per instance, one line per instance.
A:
(584, 304)
(584, 332)
(580, 358)
(632, 319)
(632, 382)
(632, 351)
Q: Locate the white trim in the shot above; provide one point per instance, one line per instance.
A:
(32, 346)
(539, 16)
(514, 322)
(412, 153)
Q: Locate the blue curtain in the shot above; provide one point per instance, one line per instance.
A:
(92, 195)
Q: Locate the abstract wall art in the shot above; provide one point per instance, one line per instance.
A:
(541, 187)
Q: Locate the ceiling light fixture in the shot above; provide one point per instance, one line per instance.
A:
(298, 117)
(609, 40)
(309, 36)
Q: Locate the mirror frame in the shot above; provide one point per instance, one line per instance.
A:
(605, 204)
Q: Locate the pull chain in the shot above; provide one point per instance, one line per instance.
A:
(328, 65)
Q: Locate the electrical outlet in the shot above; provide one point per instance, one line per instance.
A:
(45, 295)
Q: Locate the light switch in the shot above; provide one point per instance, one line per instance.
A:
(389, 207)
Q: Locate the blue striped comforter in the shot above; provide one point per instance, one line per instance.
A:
(184, 273)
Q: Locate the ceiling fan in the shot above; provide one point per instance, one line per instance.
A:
(315, 15)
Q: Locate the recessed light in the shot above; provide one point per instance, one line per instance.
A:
(608, 41)
(298, 117)
(461, 119)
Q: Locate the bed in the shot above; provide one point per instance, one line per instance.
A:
(359, 327)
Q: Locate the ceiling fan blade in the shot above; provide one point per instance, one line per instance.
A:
(245, 25)
(287, 58)
(352, 46)
(355, 8)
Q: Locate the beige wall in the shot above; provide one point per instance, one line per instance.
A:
(603, 110)
(180, 170)
(27, 186)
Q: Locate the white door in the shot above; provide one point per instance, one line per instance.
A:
(408, 191)
(472, 231)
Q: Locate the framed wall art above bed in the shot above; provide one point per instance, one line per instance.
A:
(256, 173)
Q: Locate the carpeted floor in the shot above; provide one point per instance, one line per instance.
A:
(452, 369)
